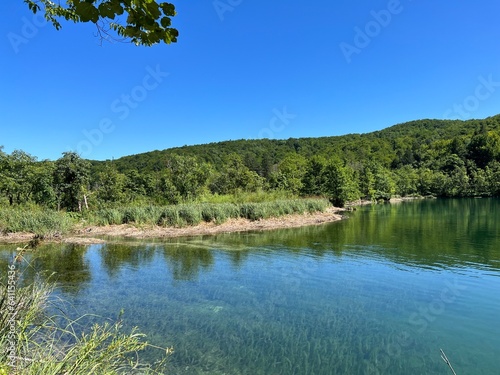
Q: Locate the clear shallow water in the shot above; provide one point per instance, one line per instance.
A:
(379, 293)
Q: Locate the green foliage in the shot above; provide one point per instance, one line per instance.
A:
(186, 176)
(426, 157)
(190, 214)
(140, 215)
(18, 177)
(484, 148)
(107, 216)
(340, 184)
(383, 184)
(247, 196)
(71, 177)
(493, 178)
(314, 179)
(292, 170)
(169, 217)
(42, 222)
(406, 181)
(258, 211)
(234, 176)
(109, 185)
(147, 22)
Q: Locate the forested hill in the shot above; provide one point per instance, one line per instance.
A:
(391, 147)
(425, 157)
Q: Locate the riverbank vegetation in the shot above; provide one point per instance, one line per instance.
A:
(46, 223)
(35, 341)
(250, 178)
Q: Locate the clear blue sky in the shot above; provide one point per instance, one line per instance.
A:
(275, 69)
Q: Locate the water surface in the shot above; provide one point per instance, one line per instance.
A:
(379, 293)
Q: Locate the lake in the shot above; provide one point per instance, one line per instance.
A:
(378, 293)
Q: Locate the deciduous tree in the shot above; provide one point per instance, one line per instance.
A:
(71, 178)
(144, 22)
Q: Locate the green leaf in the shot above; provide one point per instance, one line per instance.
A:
(116, 7)
(168, 9)
(165, 22)
(106, 10)
(87, 12)
(153, 10)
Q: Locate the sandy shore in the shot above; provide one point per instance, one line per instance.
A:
(94, 234)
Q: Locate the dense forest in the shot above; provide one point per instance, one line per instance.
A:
(445, 158)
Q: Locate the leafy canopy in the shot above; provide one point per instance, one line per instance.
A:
(144, 22)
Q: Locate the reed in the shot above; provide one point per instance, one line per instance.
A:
(34, 342)
(44, 223)
(49, 223)
(194, 213)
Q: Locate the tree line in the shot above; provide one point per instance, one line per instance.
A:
(426, 157)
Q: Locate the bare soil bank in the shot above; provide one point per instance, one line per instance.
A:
(94, 234)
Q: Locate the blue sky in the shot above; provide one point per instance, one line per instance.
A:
(246, 69)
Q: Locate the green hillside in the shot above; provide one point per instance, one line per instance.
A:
(424, 157)
(384, 146)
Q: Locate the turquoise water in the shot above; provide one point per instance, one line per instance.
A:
(379, 293)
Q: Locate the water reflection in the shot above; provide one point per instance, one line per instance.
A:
(64, 264)
(116, 256)
(335, 298)
(425, 234)
(188, 263)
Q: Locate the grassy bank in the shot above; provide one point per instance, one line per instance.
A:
(35, 342)
(48, 223)
(195, 213)
(45, 223)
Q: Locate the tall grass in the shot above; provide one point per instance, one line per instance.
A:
(219, 212)
(50, 345)
(46, 223)
(194, 213)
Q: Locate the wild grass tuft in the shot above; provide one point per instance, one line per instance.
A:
(34, 342)
(190, 213)
(219, 212)
(169, 217)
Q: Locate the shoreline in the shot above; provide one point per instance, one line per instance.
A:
(93, 234)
